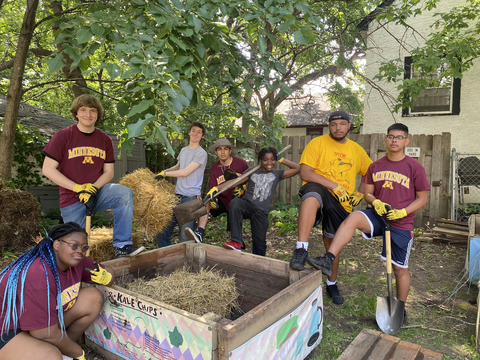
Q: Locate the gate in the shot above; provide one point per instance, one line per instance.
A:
(465, 185)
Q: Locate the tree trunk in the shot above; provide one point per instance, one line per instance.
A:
(15, 91)
(76, 73)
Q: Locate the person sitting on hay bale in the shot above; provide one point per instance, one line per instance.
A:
(80, 160)
(189, 170)
(227, 162)
(255, 205)
(33, 326)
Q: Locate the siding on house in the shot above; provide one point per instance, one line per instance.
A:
(377, 115)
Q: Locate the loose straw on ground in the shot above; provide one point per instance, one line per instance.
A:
(198, 293)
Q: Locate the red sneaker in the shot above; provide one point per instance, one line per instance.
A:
(233, 245)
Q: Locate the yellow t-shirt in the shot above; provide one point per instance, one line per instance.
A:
(339, 163)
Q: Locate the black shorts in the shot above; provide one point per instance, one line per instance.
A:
(331, 213)
(9, 335)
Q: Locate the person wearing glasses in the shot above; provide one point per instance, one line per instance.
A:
(32, 324)
(396, 185)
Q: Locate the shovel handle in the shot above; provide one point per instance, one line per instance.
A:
(243, 176)
(388, 242)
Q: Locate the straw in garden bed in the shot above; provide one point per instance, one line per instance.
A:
(199, 293)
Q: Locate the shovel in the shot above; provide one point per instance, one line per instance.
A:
(88, 220)
(389, 309)
(192, 210)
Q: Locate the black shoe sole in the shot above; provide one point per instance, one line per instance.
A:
(324, 270)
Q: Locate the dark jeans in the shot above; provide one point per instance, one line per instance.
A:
(165, 238)
(243, 209)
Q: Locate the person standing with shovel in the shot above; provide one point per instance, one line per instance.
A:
(80, 160)
(396, 185)
(189, 173)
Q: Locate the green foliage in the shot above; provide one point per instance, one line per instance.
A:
(470, 208)
(7, 253)
(449, 50)
(285, 217)
(27, 159)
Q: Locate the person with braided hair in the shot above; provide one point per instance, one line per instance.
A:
(80, 160)
(32, 325)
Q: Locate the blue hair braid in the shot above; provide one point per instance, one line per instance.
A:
(18, 271)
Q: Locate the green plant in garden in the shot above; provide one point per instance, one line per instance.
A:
(285, 217)
(28, 158)
(7, 253)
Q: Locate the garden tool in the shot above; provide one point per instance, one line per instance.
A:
(390, 310)
(192, 210)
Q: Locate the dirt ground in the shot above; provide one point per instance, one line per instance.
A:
(441, 305)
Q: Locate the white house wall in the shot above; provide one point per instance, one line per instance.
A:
(378, 116)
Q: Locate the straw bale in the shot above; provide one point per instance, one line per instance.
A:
(199, 293)
(101, 243)
(153, 200)
(19, 218)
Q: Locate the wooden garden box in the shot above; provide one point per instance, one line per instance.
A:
(283, 310)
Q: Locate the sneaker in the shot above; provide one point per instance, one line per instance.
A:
(233, 245)
(299, 259)
(321, 263)
(128, 250)
(193, 235)
(334, 293)
(405, 317)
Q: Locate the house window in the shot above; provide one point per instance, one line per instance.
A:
(441, 100)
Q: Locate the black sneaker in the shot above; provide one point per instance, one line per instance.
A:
(321, 263)
(405, 317)
(127, 250)
(193, 235)
(334, 293)
(299, 259)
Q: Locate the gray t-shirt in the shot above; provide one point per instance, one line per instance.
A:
(261, 187)
(191, 185)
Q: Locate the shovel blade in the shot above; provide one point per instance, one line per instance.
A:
(189, 211)
(389, 314)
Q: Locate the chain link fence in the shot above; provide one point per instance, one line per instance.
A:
(465, 185)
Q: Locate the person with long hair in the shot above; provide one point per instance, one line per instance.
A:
(32, 323)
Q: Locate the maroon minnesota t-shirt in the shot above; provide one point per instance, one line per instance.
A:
(35, 314)
(80, 156)
(215, 177)
(396, 183)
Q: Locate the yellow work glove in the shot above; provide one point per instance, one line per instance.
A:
(396, 214)
(340, 193)
(281, 160)
(100, 275)
(239, 191)
(80, 357)
(214, 204)
(211, 193)
(85, 191)
(355, 198)
(160, 176)
(380, 207)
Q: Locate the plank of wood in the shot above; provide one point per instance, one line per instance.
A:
(449, 231)
(260, 264)
(426, 354)
(384, 347)
(452, 227)
(361, 345)
(452, 222)
(436, 176)
(444, 209)
(406, 351)
(265, 314)
(199, 257)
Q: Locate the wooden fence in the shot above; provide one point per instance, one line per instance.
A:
(434, 155)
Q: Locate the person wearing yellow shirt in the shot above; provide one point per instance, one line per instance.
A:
(328, 168)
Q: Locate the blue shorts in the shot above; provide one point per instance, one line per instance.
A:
(401, 240)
